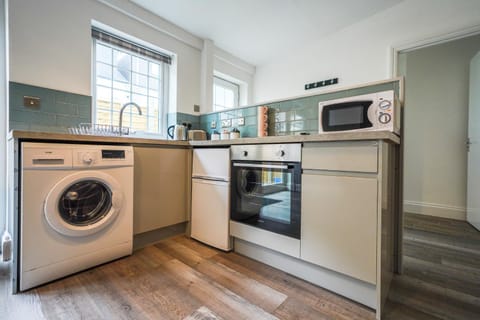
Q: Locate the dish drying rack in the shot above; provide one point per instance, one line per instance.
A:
(99, 130)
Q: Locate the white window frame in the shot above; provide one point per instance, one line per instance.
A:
(165, 89)
(235, 87)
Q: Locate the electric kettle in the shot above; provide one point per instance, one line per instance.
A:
(177, 132)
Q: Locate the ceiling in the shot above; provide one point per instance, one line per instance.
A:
(258, 30)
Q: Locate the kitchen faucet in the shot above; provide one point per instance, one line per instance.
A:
(123, 109)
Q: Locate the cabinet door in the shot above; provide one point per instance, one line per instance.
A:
(162, 187)
(339, 224)
(211, 213)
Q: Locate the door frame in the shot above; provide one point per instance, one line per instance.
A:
(395, 50)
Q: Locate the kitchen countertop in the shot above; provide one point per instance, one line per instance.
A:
(336, 136)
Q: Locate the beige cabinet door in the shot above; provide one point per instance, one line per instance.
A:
(339, 224)
(161, 188)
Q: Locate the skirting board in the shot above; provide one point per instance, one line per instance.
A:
(356, 290)
(435, 209)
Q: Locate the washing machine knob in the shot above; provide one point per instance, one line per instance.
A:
(87, 158)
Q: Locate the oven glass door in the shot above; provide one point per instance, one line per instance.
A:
(267, 195)
(346, 116)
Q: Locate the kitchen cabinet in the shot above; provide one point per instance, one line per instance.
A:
(339, 224)
(350, 211)
(161, 187)
(339, 207)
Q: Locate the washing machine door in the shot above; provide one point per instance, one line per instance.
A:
(83, 203)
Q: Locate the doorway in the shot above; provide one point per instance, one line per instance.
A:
(441, 251)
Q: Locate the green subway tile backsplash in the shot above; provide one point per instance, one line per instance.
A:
(287, 117)
(58, 109)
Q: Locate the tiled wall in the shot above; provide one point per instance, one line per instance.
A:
(179, 118)
(58, 109)
(289, 117)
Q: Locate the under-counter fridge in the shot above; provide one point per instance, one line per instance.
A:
(211, 197)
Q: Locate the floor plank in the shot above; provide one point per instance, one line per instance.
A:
(179, 276)
(441, 278)
(173, 280)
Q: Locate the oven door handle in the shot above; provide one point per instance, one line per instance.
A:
(266, 166)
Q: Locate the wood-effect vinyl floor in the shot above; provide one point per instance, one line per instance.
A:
(441, 278)
(171, 280)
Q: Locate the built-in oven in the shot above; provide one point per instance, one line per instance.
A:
(266, 185)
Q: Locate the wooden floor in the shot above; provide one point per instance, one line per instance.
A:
(441, 277)
(179, 278)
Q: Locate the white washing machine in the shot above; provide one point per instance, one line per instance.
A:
(76, 209)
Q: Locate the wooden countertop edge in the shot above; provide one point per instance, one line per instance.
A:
(336, 136)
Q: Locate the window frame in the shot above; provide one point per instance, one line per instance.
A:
(218, 80)
(164, 92)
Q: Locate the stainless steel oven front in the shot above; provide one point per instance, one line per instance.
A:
(266, 185)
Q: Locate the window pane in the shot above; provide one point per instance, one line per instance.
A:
(141, 100)
(139, 65)
(139, 83)
(154, 87)
(103, 116)
(103, 53)
(119, 99)
(229, 99)
(154, 69)
(122, 77)
(225, 94)
(104, 74)
(153, 123)
(153, 105)
(104, 97)
(121, 60)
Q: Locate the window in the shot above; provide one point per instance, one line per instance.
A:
(225, 94)
(126, 72)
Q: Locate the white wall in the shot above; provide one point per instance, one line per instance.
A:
(50, 44)
(361, 53)
(436, 126)
(3, 114)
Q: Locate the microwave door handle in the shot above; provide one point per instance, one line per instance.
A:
(264, 166)
(372, 114)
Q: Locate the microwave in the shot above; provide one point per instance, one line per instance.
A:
(378, 111)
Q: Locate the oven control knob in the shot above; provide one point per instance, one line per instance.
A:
(245, 153)
(384, 118)
(281, 153)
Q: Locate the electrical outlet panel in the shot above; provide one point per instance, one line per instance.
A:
(322, 83)
(31, 102)
(226, 123)
(213, 124)
(240, 122)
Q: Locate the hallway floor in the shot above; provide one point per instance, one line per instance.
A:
(441, 277)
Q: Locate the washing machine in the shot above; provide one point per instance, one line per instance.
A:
(76, 209)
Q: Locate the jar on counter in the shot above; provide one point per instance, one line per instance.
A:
(235, 133)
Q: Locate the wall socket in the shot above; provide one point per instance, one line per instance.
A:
(196, 108)
(240, 122)
(226, 123)
(31, 102)
(213, 124)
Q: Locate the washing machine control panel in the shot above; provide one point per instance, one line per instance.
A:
(103, 157)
